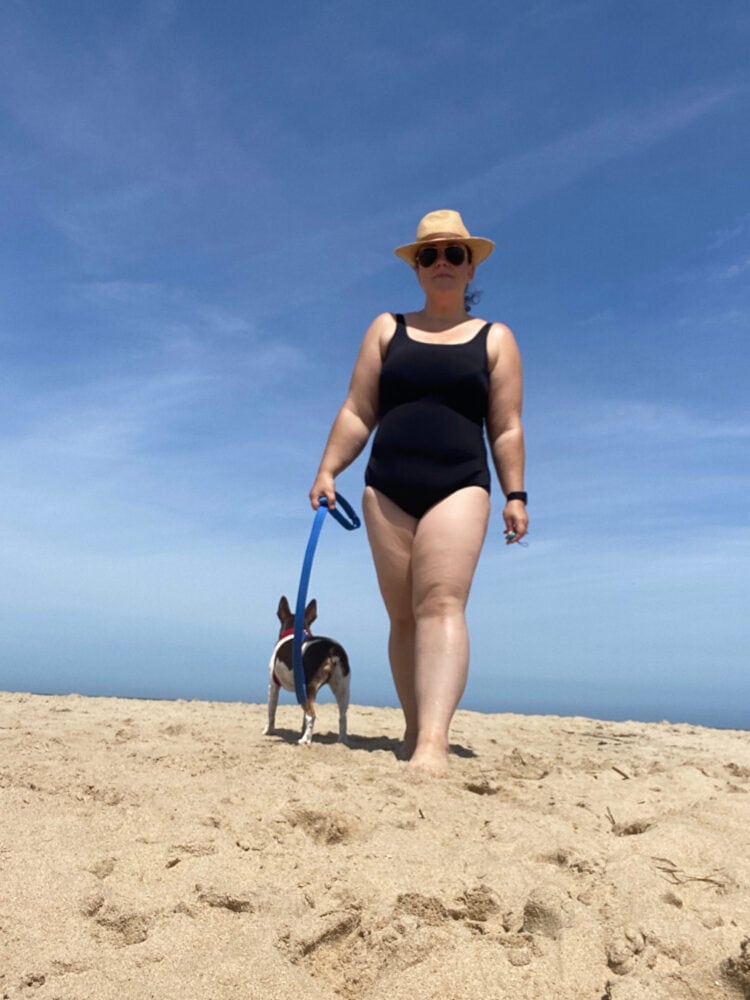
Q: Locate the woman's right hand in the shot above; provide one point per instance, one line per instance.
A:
(324, 486)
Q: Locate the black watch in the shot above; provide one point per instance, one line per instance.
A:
(521, 495)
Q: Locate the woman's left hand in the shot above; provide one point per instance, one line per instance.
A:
(516, 521)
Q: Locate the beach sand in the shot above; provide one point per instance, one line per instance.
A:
(169, 850)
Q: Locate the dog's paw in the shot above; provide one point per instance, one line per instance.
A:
(267, 730)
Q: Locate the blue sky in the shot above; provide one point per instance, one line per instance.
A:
(199, 207)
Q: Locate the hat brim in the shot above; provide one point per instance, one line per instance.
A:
(480, 247)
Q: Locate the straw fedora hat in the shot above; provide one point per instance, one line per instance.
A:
(445, 226)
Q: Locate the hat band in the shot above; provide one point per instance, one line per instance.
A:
(440, 237)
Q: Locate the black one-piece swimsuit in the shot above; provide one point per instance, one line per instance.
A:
(433, 405)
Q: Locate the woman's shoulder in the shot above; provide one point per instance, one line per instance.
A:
(500, 340)
(381, 330)
(383, 324)
(499, 332)
(386, 320)
(498, 329)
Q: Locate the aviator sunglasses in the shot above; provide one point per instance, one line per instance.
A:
(455, 255)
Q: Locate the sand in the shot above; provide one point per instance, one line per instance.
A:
(169, 850)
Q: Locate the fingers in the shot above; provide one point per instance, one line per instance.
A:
(512, 536)
(323, 486)
(516, 521)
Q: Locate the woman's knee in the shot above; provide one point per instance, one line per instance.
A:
(439, 601)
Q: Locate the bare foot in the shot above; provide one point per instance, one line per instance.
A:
(431, 758)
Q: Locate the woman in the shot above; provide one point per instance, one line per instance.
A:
(431, 381)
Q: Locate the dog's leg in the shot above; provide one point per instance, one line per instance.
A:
(273, 701)
(308, 723)
(340, 687)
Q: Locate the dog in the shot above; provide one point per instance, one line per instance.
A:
(325, 662)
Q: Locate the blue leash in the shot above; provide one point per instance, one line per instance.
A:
(300, 685)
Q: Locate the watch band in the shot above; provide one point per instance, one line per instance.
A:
(521, 495)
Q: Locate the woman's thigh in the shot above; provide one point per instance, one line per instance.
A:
(446, 548)
(390, 531)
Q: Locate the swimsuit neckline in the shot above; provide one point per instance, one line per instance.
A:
(429, 343)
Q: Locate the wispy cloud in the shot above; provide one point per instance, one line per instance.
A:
(604, 450)
(551, 11)
(656, 422)
(523, 178)
(729, 234)
(738, 269)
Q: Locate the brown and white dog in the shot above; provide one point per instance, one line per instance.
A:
(325, 662)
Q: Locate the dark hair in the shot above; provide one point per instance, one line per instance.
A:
(471, 298)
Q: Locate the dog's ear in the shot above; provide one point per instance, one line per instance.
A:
(311, 613)
(284, 611)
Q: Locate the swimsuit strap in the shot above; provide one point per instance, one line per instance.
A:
(399, 333)
(483, 333)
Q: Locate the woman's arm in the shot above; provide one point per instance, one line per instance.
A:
(355, 420)
(504, 426)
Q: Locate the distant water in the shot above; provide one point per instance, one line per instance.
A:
(615, 710)
(698, 707)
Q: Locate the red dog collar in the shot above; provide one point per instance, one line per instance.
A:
(290, 631)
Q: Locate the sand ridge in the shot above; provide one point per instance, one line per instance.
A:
(168, 849)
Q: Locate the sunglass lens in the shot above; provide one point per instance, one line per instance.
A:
(455, 255)
(427, 256)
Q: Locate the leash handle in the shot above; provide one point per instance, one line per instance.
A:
(352, 523)
(300, 684)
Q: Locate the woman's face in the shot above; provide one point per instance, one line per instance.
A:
(440, 268)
